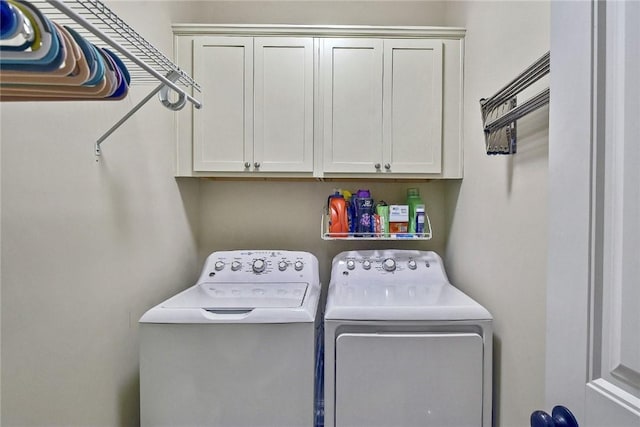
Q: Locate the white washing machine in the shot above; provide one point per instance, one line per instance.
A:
(403, 347)
(236, 349)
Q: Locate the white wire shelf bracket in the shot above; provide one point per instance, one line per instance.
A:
(144, 62)
(326, 235)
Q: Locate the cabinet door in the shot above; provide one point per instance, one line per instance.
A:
(283, 104)
(352, 105)
(412, 106)
(223, 128)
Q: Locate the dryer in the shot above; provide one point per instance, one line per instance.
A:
(403, 347)
(237, 349)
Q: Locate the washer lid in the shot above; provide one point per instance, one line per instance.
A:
(239, 303)
(401, 301)
(239, 296)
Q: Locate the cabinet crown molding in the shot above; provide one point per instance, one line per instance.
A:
(320, 30)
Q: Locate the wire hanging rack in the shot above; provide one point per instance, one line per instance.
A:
(100, 25)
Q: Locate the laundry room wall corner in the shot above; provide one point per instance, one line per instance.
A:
(88, 246)
(497, 244)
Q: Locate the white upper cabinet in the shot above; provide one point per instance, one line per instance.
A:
(412, 106)
(283, 104)
(352, 104)
(223, 131)
(382, 106)
(323, 102)
(259, 97)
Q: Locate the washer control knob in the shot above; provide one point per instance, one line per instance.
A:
(298, 265)
(351, 264)
(282, 266)
(258, 266)
(389, 264)
(219, 265)
(366, 264)
(412, 264)
(236, 265)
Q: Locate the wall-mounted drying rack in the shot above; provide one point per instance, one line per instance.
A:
(500, 111)
(144, 62)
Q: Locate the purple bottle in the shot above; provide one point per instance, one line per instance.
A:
(364, 213)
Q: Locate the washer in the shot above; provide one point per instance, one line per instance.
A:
(403, 347)
(237, 348)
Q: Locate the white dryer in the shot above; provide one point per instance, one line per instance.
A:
(238, 348)
(403, 347)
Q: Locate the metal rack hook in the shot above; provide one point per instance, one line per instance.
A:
(174, 106)
(172, 76)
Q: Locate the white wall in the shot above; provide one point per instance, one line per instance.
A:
(384, 12)
(286, 215)
(87, 247)
(497, 243)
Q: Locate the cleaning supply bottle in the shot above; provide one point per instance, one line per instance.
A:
(420, 220)
(414, 201)
(364, 213)
(351, 215)
(337, 207)
(382, 209)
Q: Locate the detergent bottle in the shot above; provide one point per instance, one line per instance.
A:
(414, 201)
(364, 213)
(338, 223)
(351, 215)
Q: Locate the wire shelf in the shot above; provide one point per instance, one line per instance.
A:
(324, 233)
(111, 25)
(99, 25)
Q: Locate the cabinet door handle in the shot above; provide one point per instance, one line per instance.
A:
(247, 165)
(256, 165)
(377, 165)
(387, 166)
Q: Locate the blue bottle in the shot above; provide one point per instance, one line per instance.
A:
(364, 213)
(351, 211)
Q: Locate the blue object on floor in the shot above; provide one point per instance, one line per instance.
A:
(563, 417)
(560, 417)
(541, 419)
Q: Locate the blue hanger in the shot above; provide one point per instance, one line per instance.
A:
(18, 32)
(45, 57)
(123, 79)
(9, 21)
(96, 64)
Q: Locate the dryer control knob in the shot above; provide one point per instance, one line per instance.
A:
(351, 264)
(219, 265)
(412, 264)
(298, 265)
(366, 264)
(282, 266)
(236, 265)
(389, 264)
(258, 266)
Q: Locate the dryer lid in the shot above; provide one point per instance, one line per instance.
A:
(382, 300)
